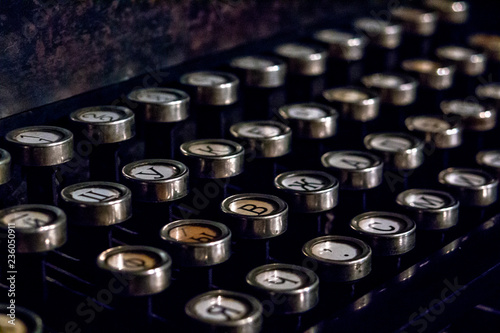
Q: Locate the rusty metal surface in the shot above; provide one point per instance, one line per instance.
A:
(52, 50)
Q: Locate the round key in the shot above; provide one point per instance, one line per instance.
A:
(25, 320)
(490, 92)
(296, 287)
(394, 89)
(430, 73)
(310, 120)
(261, 71)
(264, 138)
(40, 145)
(415, 20)
(5, 162)
(342, 45)
(450, 11)
(256, 216)
(474, 116)
(97, 203)
(339, 258)
(309, 191)
(146, 269)
(161, 105)
(472, 187)
(197, 242)
(388, 234)
(490, 159)
(212, 88)
(355, 170)
(39, 228)
(381, 33)
(489, 43)
(354, 103)
(399, 150)
(467, 61)
(303, 59)
(157, 180)
(214, 158)
(110, 124)
(430, 209)
(441, 131)
(225, 311)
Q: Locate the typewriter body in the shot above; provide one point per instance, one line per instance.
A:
(243, 166)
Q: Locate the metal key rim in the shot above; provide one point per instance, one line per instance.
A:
(408, 229)
(361, 258)
(225, 232)
(182, 170)
(67, 136)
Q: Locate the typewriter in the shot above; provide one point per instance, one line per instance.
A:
(298, 167)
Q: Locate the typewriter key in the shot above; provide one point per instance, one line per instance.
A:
(358, 173)
(161, 110)
(146, 271)
(38, 149)
(416, 21)
(474, 116)
(310, 123)
(345, 49)
(450, 11)
(264, 81)
(108, 126)
(215, 97)
(4, 166)
(472, 187)
(489, 92)
(430, 209)
(489, 159)
(489, 43)
(339, 258)
(38, 229)
(381, 33)
(431, 74)
(388, 234)
(400, 151)
(92, 209)
(397, 93)
(25, 320)
(467, 61)
(255, 216)
(225, 311)
(306, 66)
(296, 287)
(354, 103)
(195, 243)
(385, 38)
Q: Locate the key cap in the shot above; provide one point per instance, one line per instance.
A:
(38, 149)
(146, 270)
(311, 125)
(306, 68)
(93, 208)
(196, 247)
(225, 311)
(489, 92)
(358, 107)
(384, 38)
(264, 142)
(430, 209)
(450, 11)
(37, 230)
(490, 45)
(155, 184)
(286, 292)
(256, 221)
(109, 126)
(161, 111)
(359, 174)
(345, 49)
(215, 101)
(490, 160)
(397, 93)
(25, 320)
(211, 159)
(264, 81)
(339, 258)
(5, 175)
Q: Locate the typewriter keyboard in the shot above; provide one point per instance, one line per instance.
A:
(343, 180)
